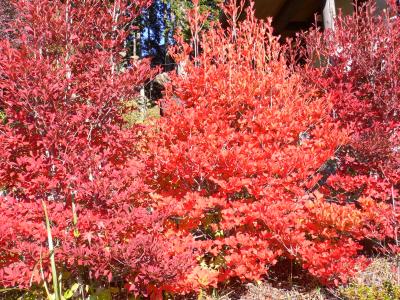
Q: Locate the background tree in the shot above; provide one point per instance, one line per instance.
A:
(163, 19)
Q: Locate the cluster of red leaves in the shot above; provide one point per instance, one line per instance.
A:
(362, 67)
(64, 142)
(256, 160)
(244, 141)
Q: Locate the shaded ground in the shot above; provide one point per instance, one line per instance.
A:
(378, 281)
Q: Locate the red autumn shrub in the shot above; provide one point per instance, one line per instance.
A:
(363, 70)
(230, 181)
(239, 151)
(63, 141)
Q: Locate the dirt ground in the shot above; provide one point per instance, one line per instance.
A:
(380, 271)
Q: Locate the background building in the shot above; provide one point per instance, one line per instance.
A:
(291, 16)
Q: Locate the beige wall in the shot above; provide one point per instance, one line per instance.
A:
(381, 4)
(347, 6)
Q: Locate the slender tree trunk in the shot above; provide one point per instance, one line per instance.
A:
(68, 22)
(115, 16)
(329, 14)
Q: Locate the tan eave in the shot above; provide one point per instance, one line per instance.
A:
(289, 16)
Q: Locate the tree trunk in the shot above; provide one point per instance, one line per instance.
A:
(329, 14)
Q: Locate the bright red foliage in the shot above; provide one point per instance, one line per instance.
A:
(243, 143)
(364, 72)
(255, 161)
(64, 142)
